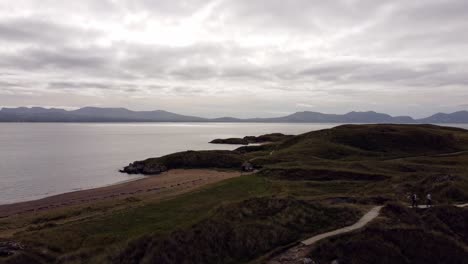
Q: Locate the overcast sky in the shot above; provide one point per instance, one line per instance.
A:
(240, 58)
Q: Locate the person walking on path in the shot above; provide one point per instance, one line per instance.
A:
(429, 200)
(414, 199)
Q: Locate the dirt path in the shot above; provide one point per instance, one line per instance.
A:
(423, 206)
(369, 216)
(173, 181)
(297, 254)
(450, 154)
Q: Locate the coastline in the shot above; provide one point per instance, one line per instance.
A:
(47, 195)
(171, 182)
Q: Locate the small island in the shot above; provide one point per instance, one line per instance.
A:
(267, 138)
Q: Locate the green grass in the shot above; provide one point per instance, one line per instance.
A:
(239, 232)
(96, 238)
(158, 218)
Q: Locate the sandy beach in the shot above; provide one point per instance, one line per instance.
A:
(173, 181)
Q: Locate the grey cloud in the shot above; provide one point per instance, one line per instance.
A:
(332, 71)
(415, 29)
(311, 15)
(155, 61)
(154, 87)
(79, 85)
(166, 7)
(428, 75)
(392, 72)
(140, 61)
(4, 84)
(41, 31)
(186, 90)
(436, 41)
(34, 58)
(85, 62)
(195, 72)
(108, 86)
(435, 11)
(131, 90)
(12, 84)
(187, 62)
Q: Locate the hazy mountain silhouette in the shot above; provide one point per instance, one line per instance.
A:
(352, 117)
(96, 114)
(457, 117)
(91, 114)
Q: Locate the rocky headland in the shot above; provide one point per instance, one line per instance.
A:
(267, 138)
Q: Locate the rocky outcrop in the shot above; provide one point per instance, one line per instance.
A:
(247, 167)
(231, 141)
(223, 159)
(141, 167)
(274, 137)
(9, 248)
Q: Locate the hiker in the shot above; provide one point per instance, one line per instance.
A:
(429, 200)
(414, 199)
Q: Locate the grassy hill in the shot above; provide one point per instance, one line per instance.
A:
(402, 235)
(307, 184)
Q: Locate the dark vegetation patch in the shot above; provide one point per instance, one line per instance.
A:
(12, 252)
(256, 148)
(231, 141)
(318, 174)
(274, 137)
(390, 138)
(376, 141)
(26, 258)
(368, 200)
(238, 232)
(201, 159)
(444, 187)
(187, 160)
(438, 235)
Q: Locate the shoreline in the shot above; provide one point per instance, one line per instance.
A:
(44, 196)
(173, 181)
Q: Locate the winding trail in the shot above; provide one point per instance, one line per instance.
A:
(423, 206)
(369, 216)
(449, 154)
(297, 254)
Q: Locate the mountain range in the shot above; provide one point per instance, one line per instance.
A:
(96, 114)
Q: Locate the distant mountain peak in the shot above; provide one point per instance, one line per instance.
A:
(456, 117)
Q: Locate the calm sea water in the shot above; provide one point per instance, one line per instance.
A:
(43, 159)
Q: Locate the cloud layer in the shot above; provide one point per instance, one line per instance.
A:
(241, 58)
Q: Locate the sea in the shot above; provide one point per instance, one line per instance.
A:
(43, 159)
